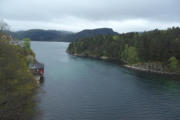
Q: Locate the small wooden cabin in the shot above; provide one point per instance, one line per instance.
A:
(37, 68)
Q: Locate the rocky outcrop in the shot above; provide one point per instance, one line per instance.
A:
(152, 67)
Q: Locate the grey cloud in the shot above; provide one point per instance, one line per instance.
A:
(90, 10)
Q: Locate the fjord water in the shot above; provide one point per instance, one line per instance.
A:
(86, 89)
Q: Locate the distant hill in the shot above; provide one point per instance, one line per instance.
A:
(41, 35)
(61, 36)
(91, 33)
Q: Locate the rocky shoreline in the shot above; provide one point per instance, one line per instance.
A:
(133, 67)
(150, 70)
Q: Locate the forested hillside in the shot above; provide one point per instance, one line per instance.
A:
(158, 46)
(17, 85)
(90, 33)
(41, 35)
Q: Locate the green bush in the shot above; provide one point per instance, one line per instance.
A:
(173, 64)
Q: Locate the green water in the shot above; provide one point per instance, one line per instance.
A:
(87, 89)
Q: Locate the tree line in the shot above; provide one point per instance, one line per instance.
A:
(160, 46)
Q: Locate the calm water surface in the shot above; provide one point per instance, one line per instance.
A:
(86, 89)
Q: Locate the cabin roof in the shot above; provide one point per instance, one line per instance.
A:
(36, 65)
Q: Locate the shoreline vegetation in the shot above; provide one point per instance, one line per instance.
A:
(17, 83)
(156, 51)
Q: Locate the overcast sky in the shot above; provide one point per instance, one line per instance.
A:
(75, 15)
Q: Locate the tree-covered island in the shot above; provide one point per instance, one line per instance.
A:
(155, 51)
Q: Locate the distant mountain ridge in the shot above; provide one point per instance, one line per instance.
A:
(91, 33)
(41, 35)
(61, 36)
